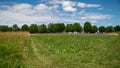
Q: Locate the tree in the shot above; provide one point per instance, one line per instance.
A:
(94, 29)
(87, 27)
(10, 29)
(42, 28)
(69, 28)
(4, 28)
(59, 27)
(77, 27)
(117, 28)
(102, 29)
(25, 27)
(15, 27)
(33, 28)
(109, 29)
(52, 28)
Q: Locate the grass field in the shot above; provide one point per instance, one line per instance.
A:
(60, 51)
(12, 48)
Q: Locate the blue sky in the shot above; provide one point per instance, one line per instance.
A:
(98, 12)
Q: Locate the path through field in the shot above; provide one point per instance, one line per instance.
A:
(40, 61)
(69, 51)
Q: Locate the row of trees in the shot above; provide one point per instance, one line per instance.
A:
(60, 27)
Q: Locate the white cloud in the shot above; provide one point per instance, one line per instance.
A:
(41, 13)
(54, 7)
(22, 6)
(82, 5)
(94, 16)
(93, 5)
(69, 6)
(85, 5)
(25, 13)
(41, 7)
(68, 3)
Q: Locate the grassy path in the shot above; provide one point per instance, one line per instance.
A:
(40, 61)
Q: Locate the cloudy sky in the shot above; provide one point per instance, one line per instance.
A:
(98, 12)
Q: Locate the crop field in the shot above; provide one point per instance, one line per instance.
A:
(19, 50)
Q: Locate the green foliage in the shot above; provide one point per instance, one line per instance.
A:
(117, 28)
(102, 29)
(56, 27)
(4, 28)
(25, 27)
(94, 29)
(69, 28)
(42, 28)
(15, 27)
(59, 27)
(33, 28)
(87, 27)
(77, 27)
(109, 29)
(52, 28)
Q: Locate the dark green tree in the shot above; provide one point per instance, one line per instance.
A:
(117, 28)
(51, 28)
(33, 28)
(59, 27)
(15, 27)
(87, 27)
(10, 29)
(25, 27)
(77, 27)
(109, 29)
(94, 29)
(4, 28)
(102, 29)
(69, 28)
(42, 28)
(55, 27)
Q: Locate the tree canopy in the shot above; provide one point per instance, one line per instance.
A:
(60, 27)
(101, 29)
(87, 27)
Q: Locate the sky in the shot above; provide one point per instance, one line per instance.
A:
(98, 12)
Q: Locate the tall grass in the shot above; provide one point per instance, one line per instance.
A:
(12, 47)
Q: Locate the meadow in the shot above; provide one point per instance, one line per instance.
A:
(12, 48)
(21, 50)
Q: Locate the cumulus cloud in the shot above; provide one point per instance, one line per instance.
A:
(22, 6)
(68, 6)
(41, 7)
(54, 7)
(44, 13)
(26, 13)
(85, 5)
(68, 3)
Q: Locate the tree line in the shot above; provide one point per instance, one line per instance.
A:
(60, 27)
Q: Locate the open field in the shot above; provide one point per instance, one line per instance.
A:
(12, 48)
(59, 51)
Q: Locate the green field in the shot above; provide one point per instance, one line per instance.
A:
(62, 51)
